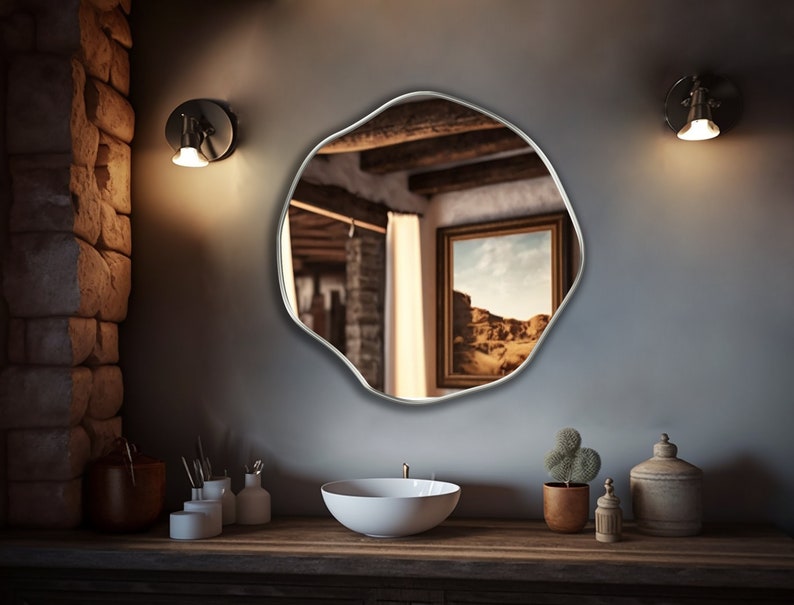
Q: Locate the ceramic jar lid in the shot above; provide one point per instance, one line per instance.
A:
(665, 465)
(609, 499)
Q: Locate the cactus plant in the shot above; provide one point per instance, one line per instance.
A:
(569, 462)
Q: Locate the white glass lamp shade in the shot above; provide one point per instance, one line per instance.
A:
(190, 157)
(699, 130)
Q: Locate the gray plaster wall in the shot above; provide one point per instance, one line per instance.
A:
(682, 322)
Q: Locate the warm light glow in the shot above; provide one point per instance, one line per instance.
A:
(699, 130)
(190, 157)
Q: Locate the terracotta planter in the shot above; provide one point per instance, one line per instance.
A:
(114, 504)
(566, 509)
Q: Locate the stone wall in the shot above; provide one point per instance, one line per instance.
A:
(366, 257)
(66, 275)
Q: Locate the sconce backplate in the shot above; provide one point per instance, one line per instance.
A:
(220, 143)
(719, 88)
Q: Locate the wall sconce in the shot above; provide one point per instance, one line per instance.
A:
(699, 108)
(201, 131)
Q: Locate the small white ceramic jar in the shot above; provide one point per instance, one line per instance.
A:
(187, 525)
(213, 489)
(666, 493)
(220, 488)
(213, 515)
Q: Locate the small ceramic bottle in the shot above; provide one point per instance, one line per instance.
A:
(608, 516)
(253, 502)
(229, 502)
(666, 493)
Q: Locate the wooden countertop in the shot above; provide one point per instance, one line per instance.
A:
(471, 549)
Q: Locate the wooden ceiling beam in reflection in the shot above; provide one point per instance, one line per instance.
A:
(339, 201)
(468, 176)
(411, 122)
(440, 150)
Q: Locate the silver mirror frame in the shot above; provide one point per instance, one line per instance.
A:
(555, 317)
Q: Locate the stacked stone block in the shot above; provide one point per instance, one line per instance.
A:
(365, 263)
(66, 275)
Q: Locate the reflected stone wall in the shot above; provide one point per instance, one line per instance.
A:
(366, 255)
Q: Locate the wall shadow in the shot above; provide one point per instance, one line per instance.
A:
(740, 489)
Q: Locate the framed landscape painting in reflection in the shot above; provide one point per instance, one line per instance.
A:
(498, 285)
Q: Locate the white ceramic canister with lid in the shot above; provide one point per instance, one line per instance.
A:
(667, 493)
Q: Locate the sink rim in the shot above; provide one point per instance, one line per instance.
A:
(357, 487)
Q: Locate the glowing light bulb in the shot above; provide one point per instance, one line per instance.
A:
(699, 130)
(190, 157)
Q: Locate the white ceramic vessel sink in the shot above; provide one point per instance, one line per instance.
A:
(390, 507)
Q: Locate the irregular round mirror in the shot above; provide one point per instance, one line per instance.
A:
(430, 245)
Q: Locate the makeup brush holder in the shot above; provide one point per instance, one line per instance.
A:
(220, 488)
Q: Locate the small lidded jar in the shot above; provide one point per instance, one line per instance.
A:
(608, 515)
(666, 493)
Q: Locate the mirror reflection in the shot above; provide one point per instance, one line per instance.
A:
(429, 245)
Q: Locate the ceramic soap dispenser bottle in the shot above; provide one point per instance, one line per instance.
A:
(666, 493)
(253, 502)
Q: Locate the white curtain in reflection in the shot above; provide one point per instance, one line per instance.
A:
(286, 267)
(404, 347)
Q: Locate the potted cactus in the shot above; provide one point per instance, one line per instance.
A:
(566, 500)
